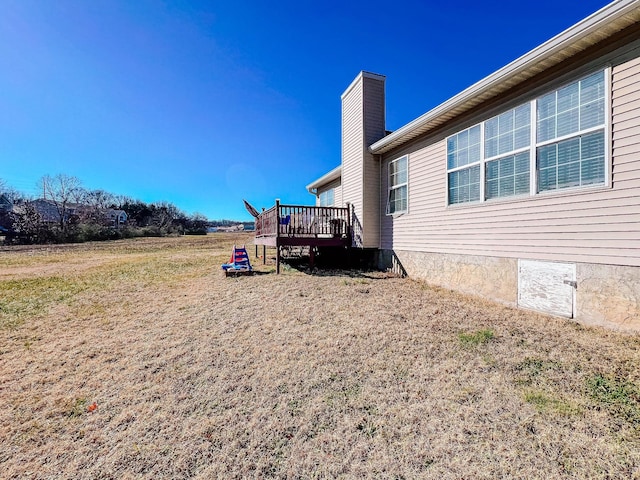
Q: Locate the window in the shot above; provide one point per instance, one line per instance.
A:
(327, 198)
(571, 126)
(463, 164)
(506, 152)
(495, 158)
(398, 182)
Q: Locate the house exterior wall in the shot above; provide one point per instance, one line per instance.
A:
(362, 124)
(475, 247)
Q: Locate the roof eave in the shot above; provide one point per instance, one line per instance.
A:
(587, 32)
(326, 178)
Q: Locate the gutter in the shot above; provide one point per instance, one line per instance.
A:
(334, 174)
(597, 27)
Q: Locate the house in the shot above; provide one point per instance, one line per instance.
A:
(116, 218)
(524, 188)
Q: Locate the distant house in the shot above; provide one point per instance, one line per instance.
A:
(232, 228)
(5, 204)
(116, 218)
(49, 212)
(524, 188)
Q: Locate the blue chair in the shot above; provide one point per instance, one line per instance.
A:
(239, 263)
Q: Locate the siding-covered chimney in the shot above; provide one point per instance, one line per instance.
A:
(363, 123)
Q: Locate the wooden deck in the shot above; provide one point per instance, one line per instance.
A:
(301, 225)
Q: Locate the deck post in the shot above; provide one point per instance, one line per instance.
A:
(277, 236)
(350, 236)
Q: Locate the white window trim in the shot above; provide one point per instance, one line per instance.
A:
(534, 145)
(395, 187)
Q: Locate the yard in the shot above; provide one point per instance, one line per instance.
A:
(139, 359)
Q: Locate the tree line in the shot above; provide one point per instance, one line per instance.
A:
(66, 211)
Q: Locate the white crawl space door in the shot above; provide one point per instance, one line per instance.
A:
(547, 287)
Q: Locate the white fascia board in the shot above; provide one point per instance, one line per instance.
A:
(565, 40)
(326, 178)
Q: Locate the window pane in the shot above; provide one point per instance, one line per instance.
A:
(475, 174)
(490, 147)
(579, 161)
(569, 151)
(491, 190)
(592, 88)
(464, 185)
(547, 156)
(567, 122)
(506, 121)
(491, 128)
(492, 170)
(546, 129)
(546, 179)
(522, 138)
(451, 161)
(474, 192)
(568, 97)
(474, 153)
(505, 143)
(474, 135)
(591, 115)
(402, 193)
(507, 176)
(402, 164)
(463, 157)
(546, 106)
(578, 106)
(522, 163)
(569, 175)
(593, 145)
(522, 183)
(592, 171)
(464, 176)
(463, 139)
(506, 167)
(523, 116)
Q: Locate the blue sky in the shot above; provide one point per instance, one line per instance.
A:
(204, 103)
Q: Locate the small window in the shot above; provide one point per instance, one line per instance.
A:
(463, 165)
(398, 186)
(327, 198)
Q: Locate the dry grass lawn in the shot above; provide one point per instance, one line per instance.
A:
(138, 359)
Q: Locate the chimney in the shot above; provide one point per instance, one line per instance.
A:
(363, 123)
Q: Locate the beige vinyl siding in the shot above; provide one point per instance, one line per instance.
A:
(352, 160)
(374, 119)
(592, 224)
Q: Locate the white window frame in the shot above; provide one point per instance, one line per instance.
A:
(390, 187)
(533, 148)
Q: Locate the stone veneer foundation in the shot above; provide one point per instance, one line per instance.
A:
(606, 295)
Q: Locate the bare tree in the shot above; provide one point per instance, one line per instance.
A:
(10, 193)
(28, 225)
(62, 191)
(164, 214)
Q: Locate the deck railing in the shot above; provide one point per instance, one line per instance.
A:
(304, 221)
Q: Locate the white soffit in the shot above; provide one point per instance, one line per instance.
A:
(588, 32)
